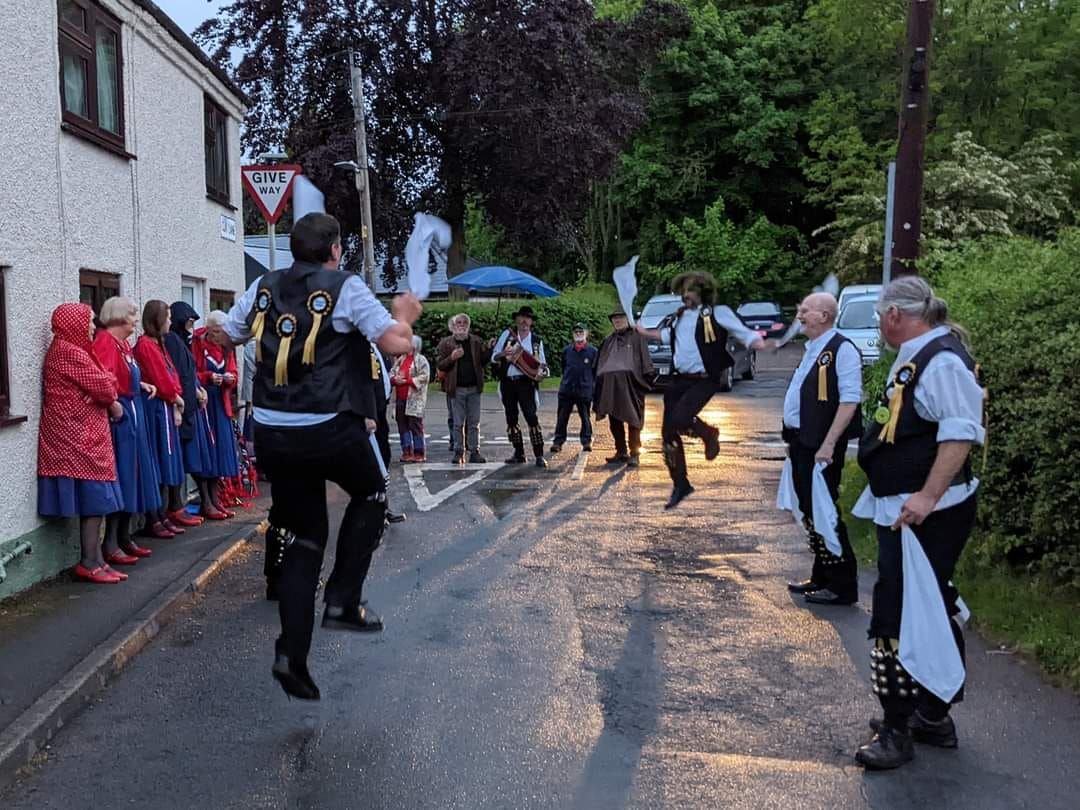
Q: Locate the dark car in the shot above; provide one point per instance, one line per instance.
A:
(658, 308)
(764, 317)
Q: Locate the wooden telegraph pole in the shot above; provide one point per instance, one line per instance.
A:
(363, 186)
(911, 146)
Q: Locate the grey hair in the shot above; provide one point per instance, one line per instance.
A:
(117, 310)
(914, 297)
(216, 318)
(417, 343)
(450, 322)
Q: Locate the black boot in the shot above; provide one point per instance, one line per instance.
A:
(940, 734)
(676, 464)
(890, 748)
(517, 441)
(294, 678)
(710, 436)
(277, 540)
(356, 617)
(536, 436)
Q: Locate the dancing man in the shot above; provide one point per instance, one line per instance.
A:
(520, 391)
(698, 334)
(315, 405)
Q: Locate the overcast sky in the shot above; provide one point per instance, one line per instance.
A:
(188, 14)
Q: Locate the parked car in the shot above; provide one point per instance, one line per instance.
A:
(659, 307)
(764, 317)
(858, 322)
(858, 291)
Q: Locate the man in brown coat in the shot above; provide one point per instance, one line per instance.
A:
(624, 373)
(461, 358)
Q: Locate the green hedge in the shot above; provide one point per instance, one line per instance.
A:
(555, 319)
(1019, 299)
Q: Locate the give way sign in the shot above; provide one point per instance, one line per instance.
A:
(270, 187)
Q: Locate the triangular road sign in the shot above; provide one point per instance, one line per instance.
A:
(270, 187)
(425, 500)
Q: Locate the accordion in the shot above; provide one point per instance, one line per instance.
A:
(525, 362)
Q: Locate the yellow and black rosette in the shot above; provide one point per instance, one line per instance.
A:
(706, 321)
(823, 363)
(320, 304)
(262, 306)
(904, 376)
(286, 329)
(376, 366)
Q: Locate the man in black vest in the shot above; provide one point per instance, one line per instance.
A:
(820, 416)
(915, 454)
(698, 334)
(314, 408)
(520, 393)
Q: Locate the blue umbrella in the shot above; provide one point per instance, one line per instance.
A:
(503, 278)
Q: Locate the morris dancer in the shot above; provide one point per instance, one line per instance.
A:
(820, 416)
(698, 334)
(519, 392)
(624, 372)
(915, 455)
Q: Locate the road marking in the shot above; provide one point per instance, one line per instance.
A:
(425, 500)
(579, 468)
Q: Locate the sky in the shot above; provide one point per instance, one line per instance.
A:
(188, 14)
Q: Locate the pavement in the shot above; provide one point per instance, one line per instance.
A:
(554, 639)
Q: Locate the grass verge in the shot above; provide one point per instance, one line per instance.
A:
(1023, 612)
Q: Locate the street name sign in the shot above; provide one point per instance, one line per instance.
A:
(270, 187)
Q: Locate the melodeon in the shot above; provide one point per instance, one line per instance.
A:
(525, 362)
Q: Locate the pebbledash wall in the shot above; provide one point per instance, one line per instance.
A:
(69, 205)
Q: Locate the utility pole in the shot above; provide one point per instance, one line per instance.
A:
(911, 146)
(363, 187)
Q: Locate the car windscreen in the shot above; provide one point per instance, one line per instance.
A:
(759, 310)
(660, 309)
(859, 315)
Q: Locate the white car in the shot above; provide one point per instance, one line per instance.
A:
(858, 322)
(858, 291)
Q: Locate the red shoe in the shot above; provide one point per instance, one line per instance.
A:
(182, 518)
(229, 513)
(115, 573)
(120, 558)
(99, 576)
(419, 459)
(406, 458)
(161, 531)
(214, 514)
(135, 550)
(172, 527)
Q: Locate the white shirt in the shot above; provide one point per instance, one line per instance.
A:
(687, 358)
(356, 309)
(946, 393)
(848, 376)
(527, 344)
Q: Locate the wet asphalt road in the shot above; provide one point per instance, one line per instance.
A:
(556, 640)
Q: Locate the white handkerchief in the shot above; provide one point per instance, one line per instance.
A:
(426, 230)
(378, 456)
(626, 285)
(786, 498)
(824, 511)
(927, 646)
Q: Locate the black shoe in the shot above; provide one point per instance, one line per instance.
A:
(555, 448)
(541, 463)
(294, 678)
(712, 442)
(586, 448)
(634, 461)
(459, 458)
(940, 734)
(807, 586)
(395, 517)
(357, 618)
(889, 749)
(516, 459)
(827, 597)
(476, 458)
(678, 494)
(272, 589)
(618, 458)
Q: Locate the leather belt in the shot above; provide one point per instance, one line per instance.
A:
(697, 375)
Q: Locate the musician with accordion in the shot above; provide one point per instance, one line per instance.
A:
(520, 364)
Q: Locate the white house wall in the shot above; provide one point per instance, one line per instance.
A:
(66, 204)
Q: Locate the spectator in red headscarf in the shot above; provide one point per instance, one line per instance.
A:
(76, 467)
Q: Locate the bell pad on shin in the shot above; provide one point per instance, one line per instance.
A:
(888, 677)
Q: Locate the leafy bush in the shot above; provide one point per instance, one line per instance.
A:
(874, 379)
(555, 319)
(1019, 299)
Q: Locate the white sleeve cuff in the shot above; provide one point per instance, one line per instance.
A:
(958, 429)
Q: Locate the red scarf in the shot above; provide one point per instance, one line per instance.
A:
(405, 371)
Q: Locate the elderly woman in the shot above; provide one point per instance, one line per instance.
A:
(215, 365)
(136, 469)
(410, 377)
(76, 469)
(164, 414)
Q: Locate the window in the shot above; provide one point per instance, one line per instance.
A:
(5, 380)
(221, 299)
(91, 62)
(193, 293)
(95, 288)
(217, 151)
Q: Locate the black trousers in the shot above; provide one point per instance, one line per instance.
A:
(566, 405)
(943, 536)
(301, 461)
(519, 397)
(839, 574)
(683, 401)
(619, 432)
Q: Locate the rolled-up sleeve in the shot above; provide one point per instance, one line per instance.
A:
(358, 308)
(665, 334)
(735, 327)
(950, 395)
(236, 325)
(849, 374)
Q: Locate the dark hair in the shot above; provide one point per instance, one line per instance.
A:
(313, 236)
(154, 315)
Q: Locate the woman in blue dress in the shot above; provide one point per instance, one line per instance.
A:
(215, 361)
(136, 468)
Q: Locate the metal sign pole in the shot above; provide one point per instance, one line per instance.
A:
(890, 207)
(271, 229)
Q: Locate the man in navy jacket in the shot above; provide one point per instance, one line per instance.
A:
(576, 388)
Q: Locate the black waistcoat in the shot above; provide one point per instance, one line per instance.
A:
(904, 465)
(339, 380)
(713, 347)
(816, 415)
